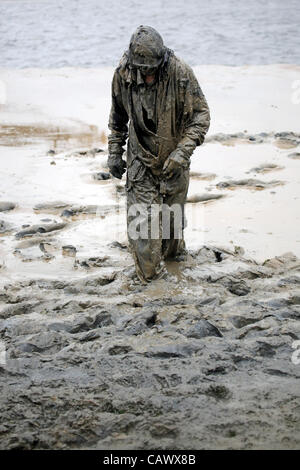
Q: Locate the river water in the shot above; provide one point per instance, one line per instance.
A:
(93, 33)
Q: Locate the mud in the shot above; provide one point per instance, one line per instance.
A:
(101, 362)
(101, 176)
(266, 168)
(283, 140)
(50, 207)
(202, 176)
(57, 137)
(86, 152)
(41, 228)
(96, 360)
(286, 143)
(4, 227)
(88, 210)
(248, 183)
(204, 197)
(6, 206)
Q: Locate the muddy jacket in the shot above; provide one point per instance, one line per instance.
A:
(179, 118)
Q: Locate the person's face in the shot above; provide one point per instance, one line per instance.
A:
(148, 71)
(145, 65)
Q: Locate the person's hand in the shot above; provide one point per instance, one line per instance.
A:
(173, 165)
(116, 166)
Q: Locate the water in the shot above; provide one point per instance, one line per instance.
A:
(94, 33)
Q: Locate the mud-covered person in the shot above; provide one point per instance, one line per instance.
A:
(158, 105)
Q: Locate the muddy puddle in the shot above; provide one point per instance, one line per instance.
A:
(57, 138)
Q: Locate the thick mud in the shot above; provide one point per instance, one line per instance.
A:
(207, 358)
(202, 360)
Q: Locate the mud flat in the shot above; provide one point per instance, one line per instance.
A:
(204, 361)
(92, 359)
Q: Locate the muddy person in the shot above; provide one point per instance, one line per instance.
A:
(158, 105)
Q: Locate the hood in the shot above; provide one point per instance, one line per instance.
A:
(146, 48)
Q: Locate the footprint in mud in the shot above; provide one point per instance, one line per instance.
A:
(248, 184)
(37, 251)
(265, 168)
(92, 262)
(204, 197)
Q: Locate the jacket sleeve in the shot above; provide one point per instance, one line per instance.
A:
(196, 118)
(118, 119)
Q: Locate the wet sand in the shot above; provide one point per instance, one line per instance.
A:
(252, 201)
(200, 362)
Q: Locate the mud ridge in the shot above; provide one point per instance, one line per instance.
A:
(101, 362)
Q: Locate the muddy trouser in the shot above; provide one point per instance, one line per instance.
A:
(155, 218)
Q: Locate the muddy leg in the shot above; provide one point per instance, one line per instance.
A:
(176, 191)
(143, 225)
